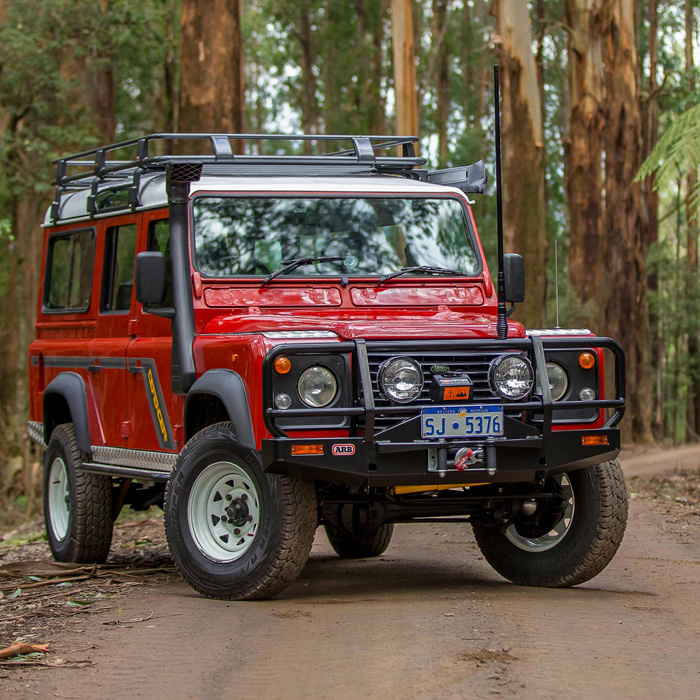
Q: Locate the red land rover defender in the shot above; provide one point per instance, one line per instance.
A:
(266, 344)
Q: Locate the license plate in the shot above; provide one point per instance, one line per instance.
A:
(461, 421)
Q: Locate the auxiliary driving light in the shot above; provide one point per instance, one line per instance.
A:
(401, 379)
(511, 376)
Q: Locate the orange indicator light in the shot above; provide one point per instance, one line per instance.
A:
(586, 360)
(307, 449)
(592, 440)
(282, 365)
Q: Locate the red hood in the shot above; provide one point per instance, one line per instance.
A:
(429, 324)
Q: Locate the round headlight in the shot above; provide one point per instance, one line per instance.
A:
(317, 386)
(511, 376)
(401, 379)
(558, 381)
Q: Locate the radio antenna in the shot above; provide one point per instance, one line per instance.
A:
(502, 317)
(556, 279)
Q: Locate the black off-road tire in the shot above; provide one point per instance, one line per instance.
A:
(348, 547)
(282, 542)
(596, 531)
(89, 534)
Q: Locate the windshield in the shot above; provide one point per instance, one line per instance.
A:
(373, 235)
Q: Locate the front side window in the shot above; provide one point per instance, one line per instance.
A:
(372, 235)
(69, 271)
(118, 271)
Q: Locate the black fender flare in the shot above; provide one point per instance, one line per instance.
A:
(71, 387)
(229, 388)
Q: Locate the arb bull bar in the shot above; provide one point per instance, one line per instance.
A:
(528, 450)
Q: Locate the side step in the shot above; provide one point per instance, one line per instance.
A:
(128, 472)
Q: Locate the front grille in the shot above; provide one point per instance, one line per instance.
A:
(475, 364)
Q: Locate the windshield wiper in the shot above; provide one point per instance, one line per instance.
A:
(427, 269)
(294, 263)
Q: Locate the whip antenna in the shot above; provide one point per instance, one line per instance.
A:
(502, 317)
(556, 279)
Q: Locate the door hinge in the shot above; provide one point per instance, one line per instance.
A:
(133, 326)
(126, 428)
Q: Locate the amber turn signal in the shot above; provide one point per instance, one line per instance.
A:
(586, 360)
(282, 365)
(591, 440)
(307, 449)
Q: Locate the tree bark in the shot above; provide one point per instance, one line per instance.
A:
(404, 68)
(584, 154)
(523, 155)
(626, 307)
(212, 96)
(693, 404)
(309, 101)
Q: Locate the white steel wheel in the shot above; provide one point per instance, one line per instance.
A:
(552, 538)
(223, 512)
(59, 499)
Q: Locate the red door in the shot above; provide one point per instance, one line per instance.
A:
(116, 255)
(154, 414)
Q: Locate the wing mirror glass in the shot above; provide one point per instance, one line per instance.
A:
(151, 276)
(514, 273)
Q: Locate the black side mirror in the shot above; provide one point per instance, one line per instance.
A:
(151, 275)
(514, 273)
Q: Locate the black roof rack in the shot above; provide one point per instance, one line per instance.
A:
(92, 169)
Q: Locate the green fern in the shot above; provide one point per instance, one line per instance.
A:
(677, 151)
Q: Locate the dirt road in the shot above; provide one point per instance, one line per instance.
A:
(429, 619)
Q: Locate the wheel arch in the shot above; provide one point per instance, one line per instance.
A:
(65, 401)
(219, 395)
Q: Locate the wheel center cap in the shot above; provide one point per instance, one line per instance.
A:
(237, 512)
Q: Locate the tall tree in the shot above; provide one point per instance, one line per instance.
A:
(693, 408)
(626, 306)
(584, 154)
(524, 215)
(212, 94)
(404, 68)
(442, 75)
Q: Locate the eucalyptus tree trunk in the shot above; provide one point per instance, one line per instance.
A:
(309, 101)
(626, 308)
(212, 97)
(523, 155)
(584, 154)
(404, 68)
(693, 406)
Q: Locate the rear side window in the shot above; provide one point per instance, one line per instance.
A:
(69, 271)
(118, 270)
(159, 242)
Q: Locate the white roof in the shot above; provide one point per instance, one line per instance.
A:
(153, 193)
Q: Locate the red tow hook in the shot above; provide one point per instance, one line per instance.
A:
(462, 458)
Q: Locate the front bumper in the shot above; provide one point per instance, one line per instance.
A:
(396, 456)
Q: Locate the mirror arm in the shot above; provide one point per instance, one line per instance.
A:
(163, 313)
(510, 310)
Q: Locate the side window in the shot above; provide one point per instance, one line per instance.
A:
(69, 271)
(118, 270)
(159, 242)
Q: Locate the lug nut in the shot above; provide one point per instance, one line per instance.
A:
(244, 496)
(229, 497)
(224, 519)
(236, 531)
(250, 518)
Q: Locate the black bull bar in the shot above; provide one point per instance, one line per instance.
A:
(392, 456)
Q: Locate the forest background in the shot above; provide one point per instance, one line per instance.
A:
(591, 91)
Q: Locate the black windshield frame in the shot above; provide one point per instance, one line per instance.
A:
(470, 231)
